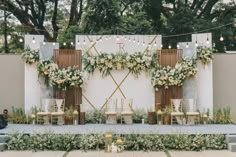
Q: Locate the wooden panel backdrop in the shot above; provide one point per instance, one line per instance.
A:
(69, 58)
(162, 96)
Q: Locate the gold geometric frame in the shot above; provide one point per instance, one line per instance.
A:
(118, 85)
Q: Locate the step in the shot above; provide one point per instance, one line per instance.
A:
(3, 146)
(4, 138)
(232, 147)
(230, 138)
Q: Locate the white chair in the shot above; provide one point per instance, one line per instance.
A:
(127, 111)
(45, 111)
(111, 111)
(58, 111)
(177, 111)
(192, 115)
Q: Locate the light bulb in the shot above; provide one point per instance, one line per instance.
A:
(134, 41)
(118, 38)
(64, 43)
(196, 44)
(53, 43)
(84, 42)
(100, 40)
(20, 40)
(33, 41)
(129, 39)
(125, 38)
(187, 45)
(78, 42)
(149, 45)
(138, 43)
(155, 44)
(143, 43)
(177, 45)
(9, 37)
(161, 45)
(221, 38)
(207, 41)
(71, 43)
(44, 43)
(169, 46)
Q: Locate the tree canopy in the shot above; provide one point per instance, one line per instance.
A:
(61, 20)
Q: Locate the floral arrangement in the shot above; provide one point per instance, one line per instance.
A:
(105, 62)
(44, 67)
(65, 78)
(30, 56)
(167, 76)
(205, 54)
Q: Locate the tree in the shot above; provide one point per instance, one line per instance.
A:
(32, 14)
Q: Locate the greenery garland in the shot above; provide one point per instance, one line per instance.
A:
(132, 142)
(105, 63)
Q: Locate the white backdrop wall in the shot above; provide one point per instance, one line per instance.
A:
(97, 89)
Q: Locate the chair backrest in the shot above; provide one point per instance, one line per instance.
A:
(59, 105)
(111, 105)
(126, 105)
(191, 105)
(46, 104)
(176, 105)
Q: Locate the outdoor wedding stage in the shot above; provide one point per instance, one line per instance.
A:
(118, 92)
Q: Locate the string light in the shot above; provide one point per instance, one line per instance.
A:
(169, 46)
(44, 43)
(177, 46)
(78, 42)
(149, 45)
(84, 42)
(129, 39)
(64, 43)
(143, 43)
(161, 46)
(33, 41)
(221, 38)
(72, 43)
(53, 43)
(134, 40)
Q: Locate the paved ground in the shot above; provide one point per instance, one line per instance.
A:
(122, 129)
(223, 153)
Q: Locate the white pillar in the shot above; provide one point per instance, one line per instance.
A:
(204, 76)
(32, 86)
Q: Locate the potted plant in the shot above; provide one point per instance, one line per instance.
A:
(69, 116)
(152, 117)
(166, 115)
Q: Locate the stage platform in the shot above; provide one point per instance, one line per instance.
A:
(120, 129)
